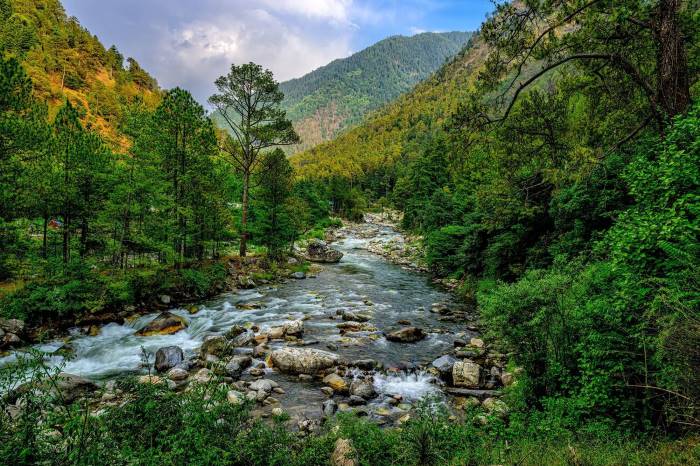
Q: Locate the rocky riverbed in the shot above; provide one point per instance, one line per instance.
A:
(365, 332)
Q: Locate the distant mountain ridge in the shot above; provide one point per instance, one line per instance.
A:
(339, 95)
(390, 133)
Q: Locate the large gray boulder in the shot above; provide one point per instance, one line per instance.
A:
(303, 360)
(168, 357)
(237, 365)
(319, 251)
(362, 388)
(444, 364)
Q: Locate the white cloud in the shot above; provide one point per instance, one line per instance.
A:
(336, 10)
(195, 53)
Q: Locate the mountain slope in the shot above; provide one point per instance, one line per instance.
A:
(389, 133)
(65, 61)
(339, 95)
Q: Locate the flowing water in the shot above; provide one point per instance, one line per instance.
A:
(362, 282)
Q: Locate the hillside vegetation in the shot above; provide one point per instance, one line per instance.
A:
(339, 95)
(65, 61)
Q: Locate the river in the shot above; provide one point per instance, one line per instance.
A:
(361, 282)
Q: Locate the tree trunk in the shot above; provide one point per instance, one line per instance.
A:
(673, 84)
(244, 215)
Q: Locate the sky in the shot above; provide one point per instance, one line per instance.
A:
(189, 43)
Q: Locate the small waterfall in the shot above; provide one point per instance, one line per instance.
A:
(411, 386)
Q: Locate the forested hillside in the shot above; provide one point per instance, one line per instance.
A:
(339, 95)
(64, 60)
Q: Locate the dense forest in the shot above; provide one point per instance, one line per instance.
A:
(550, 169)
(338, 96)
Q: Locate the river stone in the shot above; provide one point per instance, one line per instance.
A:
(343, 453)
(244, 339)
(303, 360)
(235, 397)
(202, 376)
(234, 331)
(259, 351)
(165, 323)
(70, 387)
(444, 364)
(15, 326)
(357, 400)
(215, 345)
(264, 385)
(466, 373)
(237, 365)
(507, 379)
(336, 382)
(168, 357)
(406, 335)
(476, 342)
(355, 316)
(362, 388)
(328, 408)
(165, 299)
(319, 251)
(294, 328)
(495, 406)
(276, 333)
(245, 282)
(365, 364)
(178, 374)
(298, 275)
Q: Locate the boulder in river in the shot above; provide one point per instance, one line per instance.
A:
(165, 323)
(244, 339)
(355, 316)
(329, 408)
(168, 357)
(237, 365)
(215, 345)
(363, 389)
(336, 382)
(294, 328)
(319, 251)
(303, 360)
(406, 335)
(466, 373)
(444, 364)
